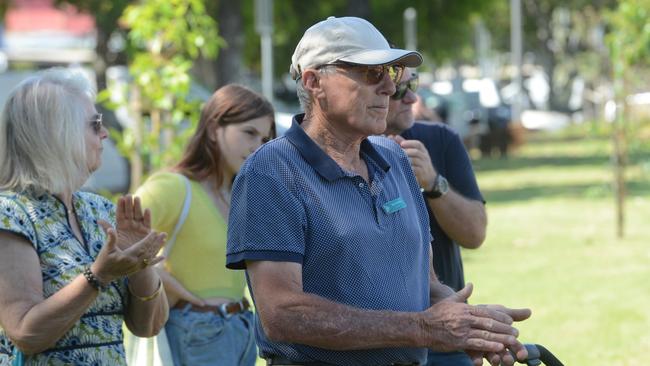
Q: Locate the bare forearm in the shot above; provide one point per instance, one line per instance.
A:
(43, 324)
(315, 321)
(463, 220)
(290, 315)
(145, 318)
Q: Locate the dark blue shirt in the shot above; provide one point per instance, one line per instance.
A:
(363, 245)
(450, 159)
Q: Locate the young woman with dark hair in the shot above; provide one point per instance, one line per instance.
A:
(210, 323)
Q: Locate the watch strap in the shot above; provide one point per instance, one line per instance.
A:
(435, 191)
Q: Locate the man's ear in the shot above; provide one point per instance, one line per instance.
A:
(312, 83)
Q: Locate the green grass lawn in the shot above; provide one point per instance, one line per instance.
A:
(552, 246)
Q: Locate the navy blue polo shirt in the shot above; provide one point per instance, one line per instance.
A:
(364, 245)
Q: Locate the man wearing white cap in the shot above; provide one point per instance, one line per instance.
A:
(333, 231)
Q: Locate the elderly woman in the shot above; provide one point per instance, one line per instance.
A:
(68, 278)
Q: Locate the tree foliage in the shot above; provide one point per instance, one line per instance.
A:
(564, 37)
(106, 13)
(629, 43)
(4, 5)
(165, 37)
(629, 40)
(444, 28)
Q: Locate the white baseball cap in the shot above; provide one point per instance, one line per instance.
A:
(350, 40)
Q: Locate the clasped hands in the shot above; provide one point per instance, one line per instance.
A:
(130, 247)
(482, 331)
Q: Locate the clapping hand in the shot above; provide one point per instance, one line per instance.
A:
(132, 223)
(114, 262)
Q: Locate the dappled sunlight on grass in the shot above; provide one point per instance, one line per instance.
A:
(552, 246)
(568, 168)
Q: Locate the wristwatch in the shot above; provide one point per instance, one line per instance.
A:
(439, 189)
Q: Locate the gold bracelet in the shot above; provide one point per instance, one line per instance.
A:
(150, 297)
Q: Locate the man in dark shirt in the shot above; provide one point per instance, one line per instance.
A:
(455, 205)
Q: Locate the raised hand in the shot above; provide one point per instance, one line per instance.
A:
(132, 223)
(420, 160)
(113, 262)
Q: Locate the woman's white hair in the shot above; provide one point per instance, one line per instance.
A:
(42, 133)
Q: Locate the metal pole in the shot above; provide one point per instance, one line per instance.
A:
(264, 27)
(619, 142)
(483, 45)
(410, 29)
(267, 66)
(516, 50)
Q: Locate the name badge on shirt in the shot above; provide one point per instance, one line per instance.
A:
(394, 205)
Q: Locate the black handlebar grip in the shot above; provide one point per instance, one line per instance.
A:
(547, 357)
(538, 354)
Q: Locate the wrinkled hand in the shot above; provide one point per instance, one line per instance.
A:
(453, 325)
(132, 223)
(420, 160)
(504, 357)
(113, 262)
(494, 358)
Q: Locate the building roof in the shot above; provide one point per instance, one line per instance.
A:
(42, 15)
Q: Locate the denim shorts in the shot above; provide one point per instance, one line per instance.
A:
(198, 339)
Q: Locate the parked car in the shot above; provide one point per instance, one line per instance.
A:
(474, 109)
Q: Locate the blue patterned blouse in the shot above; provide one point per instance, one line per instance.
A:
(96, 339)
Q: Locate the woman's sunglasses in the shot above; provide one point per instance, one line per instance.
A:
(372, 75)
(96, 123)
(403, 87)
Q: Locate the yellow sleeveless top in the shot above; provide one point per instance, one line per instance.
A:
(198, 257)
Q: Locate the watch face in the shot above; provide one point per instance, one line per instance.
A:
(443, 185)
(440, 187)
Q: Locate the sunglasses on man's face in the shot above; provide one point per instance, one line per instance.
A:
(403, 87)
(96, 123)
(372, 75)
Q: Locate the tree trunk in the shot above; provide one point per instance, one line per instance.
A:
(540, 13)
(548, 62)
(229, 61)
(135, 158)
(101, 59)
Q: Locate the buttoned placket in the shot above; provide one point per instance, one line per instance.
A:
(371, 194)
